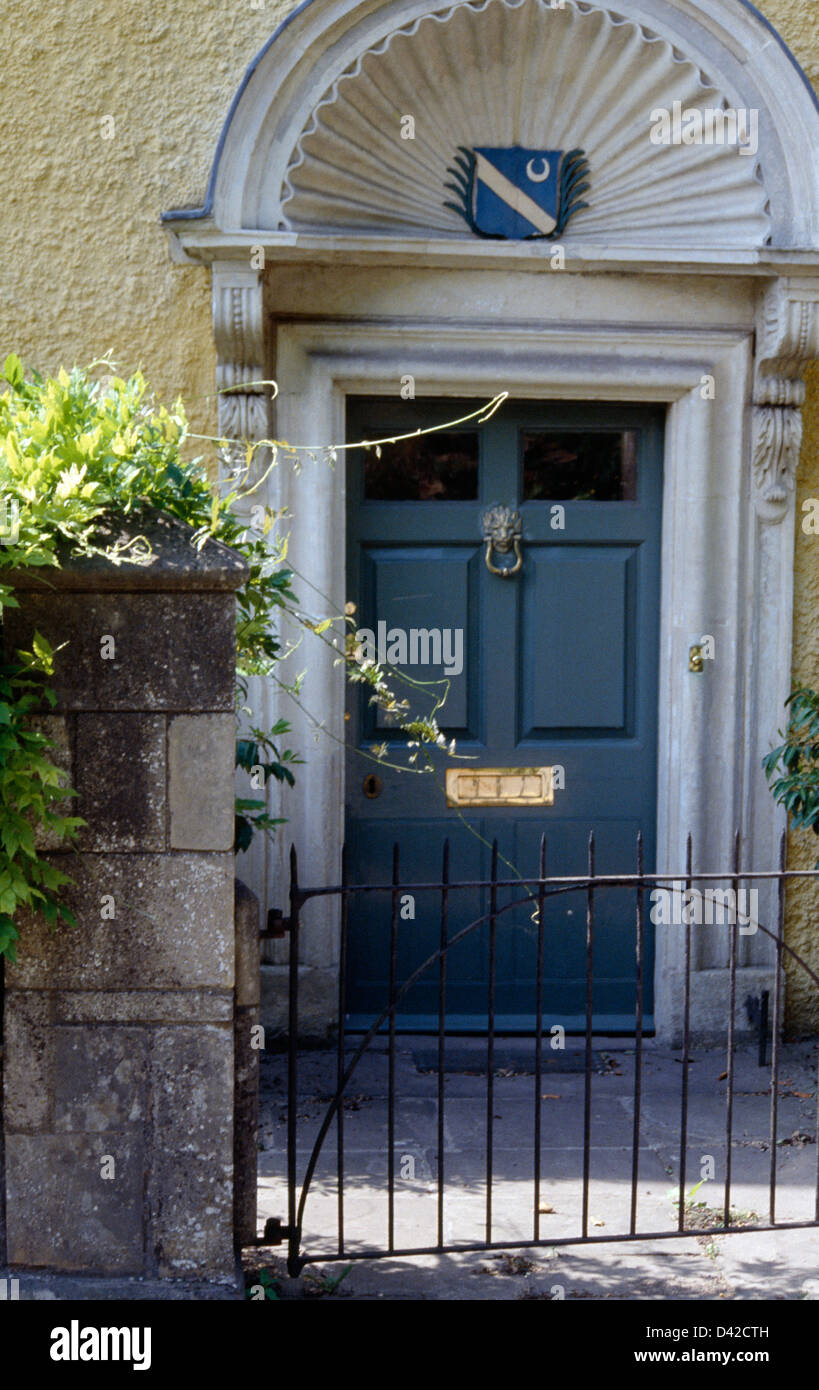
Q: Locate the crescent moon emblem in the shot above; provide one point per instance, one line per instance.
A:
(537, 178)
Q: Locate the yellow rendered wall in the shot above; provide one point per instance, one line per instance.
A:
(802, 919)
(798, 23)
(84, 266)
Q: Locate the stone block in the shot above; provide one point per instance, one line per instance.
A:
(169, 652)
(246, 1124)
(144, 1006)
(119, 1081)
(710, 993)
(125, 1288)
(190, 1182)
(318, 1002)
(247, 916)
(120, 777)
(101, 1078)
(247, 1054)
(173, 927)
(28, 1072)
(201, 755)
(162, 553)
(62, 1214)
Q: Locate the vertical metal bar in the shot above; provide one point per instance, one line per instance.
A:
(342, 1008)
(589, 1020)
(294, 1238)
(762, 1041)
(732, 994)
(638, 1033)
(541, 902)
(777, 1018)
(490, 1039)
(689, 859)
(442, 964)
(391, 1061)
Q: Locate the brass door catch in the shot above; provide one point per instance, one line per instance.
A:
(695, 659)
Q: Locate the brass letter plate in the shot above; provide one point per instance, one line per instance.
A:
(500, 786)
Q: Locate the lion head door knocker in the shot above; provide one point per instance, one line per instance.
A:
(502, 531)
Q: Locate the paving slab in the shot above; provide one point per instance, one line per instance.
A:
(747, 1265)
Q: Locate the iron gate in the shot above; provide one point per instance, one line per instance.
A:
(534, 894)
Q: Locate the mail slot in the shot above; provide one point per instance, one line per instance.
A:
(500, 786)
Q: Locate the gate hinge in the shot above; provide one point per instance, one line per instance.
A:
(275, 1233)
(277, 925)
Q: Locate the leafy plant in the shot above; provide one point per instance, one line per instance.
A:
(326, 1284)
(76, 451)
(699, 1216)
(673, 1194)
(261, 758)
(792, 769)
(30, 794)
(267, 1284)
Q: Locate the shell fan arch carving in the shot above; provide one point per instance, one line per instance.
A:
(517, 72)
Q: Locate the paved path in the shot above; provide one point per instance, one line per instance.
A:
(780, 1264)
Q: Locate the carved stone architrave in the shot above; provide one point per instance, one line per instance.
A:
(241, 360)
(244, 415)
(787, 341)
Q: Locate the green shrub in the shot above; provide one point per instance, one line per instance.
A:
(77, 450)
(73, 450)
(792, 769)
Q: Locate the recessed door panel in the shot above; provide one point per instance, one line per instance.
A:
(415, 611)
(575, 641)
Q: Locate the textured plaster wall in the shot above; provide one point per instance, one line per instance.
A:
(798, 23)
(84, 265)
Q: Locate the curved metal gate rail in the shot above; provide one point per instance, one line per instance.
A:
(534, 892)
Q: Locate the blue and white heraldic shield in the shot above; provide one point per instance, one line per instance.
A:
(517, 193)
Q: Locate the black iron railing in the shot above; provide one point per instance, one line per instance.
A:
(534, 893)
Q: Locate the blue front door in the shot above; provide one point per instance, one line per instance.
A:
(552, 666)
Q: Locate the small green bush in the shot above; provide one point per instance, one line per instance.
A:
(792, 769)
(75, 449)
(86, 446)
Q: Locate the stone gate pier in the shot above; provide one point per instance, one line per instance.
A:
(119, 1046)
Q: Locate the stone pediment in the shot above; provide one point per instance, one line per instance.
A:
(377, 153)
(352, 132)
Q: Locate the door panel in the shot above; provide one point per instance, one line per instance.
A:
(559, 669)
(404, 588)
(569, 682)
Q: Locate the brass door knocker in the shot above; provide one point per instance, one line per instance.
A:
(503, 531)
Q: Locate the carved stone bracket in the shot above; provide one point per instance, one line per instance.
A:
(787, 341)
(241, 359)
